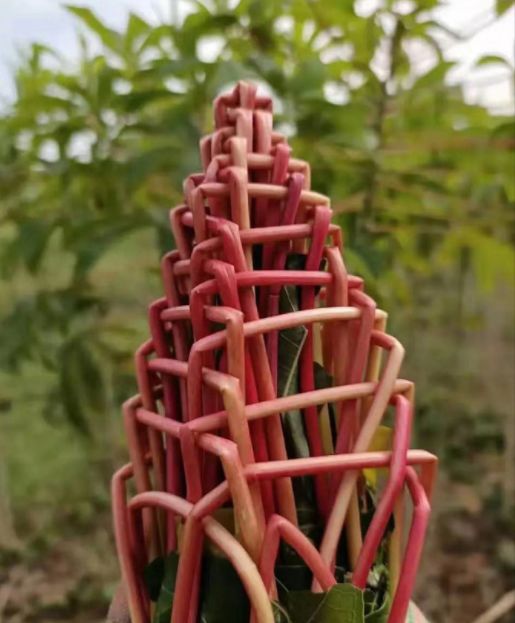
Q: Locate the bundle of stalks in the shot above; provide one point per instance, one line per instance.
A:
(271, 469)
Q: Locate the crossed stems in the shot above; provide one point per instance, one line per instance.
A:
(222, 446)
(235, 344)
(263, 378)
(131, 548)
(339, 282)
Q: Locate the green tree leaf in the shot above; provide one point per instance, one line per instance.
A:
(501, 6)
(492, 59)
(110, 38)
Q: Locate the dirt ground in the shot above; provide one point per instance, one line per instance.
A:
(72, 581)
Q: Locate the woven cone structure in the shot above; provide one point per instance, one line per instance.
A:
(265, 484)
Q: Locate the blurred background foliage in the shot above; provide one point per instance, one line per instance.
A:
(92, 155)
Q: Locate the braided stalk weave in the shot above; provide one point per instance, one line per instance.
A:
(266, 382)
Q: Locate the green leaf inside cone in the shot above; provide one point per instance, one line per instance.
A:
(291, 342)
(224, 600)
(222, 596)
(343, 603)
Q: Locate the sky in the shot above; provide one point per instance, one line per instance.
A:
(25, 21)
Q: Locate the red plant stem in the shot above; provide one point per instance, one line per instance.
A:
(393, 488)
(413, 553)
(339, 511)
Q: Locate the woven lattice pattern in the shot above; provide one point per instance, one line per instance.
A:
(261, 338)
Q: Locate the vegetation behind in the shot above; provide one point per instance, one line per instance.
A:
(93, 154)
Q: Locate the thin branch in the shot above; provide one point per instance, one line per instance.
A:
(499, 609)
(378, 123)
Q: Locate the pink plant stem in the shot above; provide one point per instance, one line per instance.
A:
(413, 553)
(238, 179)
(280, 528)
(224, 275)
(226, 285)
(349, 423)
(307, 377)
(183, 237)
(244, 501)
(145, 387)
(358, 461)
(283, 488)
(167, 468)
(285, 320)
(244, 566)
(335, 335)
(136, 440)
(255, 191)
(198, 393)
(324, 464)
(187, 582)
(274, 253)
(301, 467)
(262, 145)
(266, 164)
(188, 578)
(248, 521)
(384, 391)
(183, 222)
(294, 402)
(289, 403)
(181, 341)
(272, 308)
(310, 466)
(393, 487)
(289, 320)
(170, 397)
(238, 363)
(268, 213)
(136, 601)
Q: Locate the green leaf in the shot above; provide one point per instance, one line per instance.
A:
(290, 345)
(91, 240)
(223, 597)
(136, 28)
(20, 334)
(432, 78)
(71, 388)
(83, 383)
(493, 261)
(489, 59)
(501, 6)
(135, 101)
(29, 245)
(154, 574)
(168, 571)
(376, 613)
(110, 38)
(505, 130)
(145, 163)
(291, 342)
(343, 603)
(358, 265)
